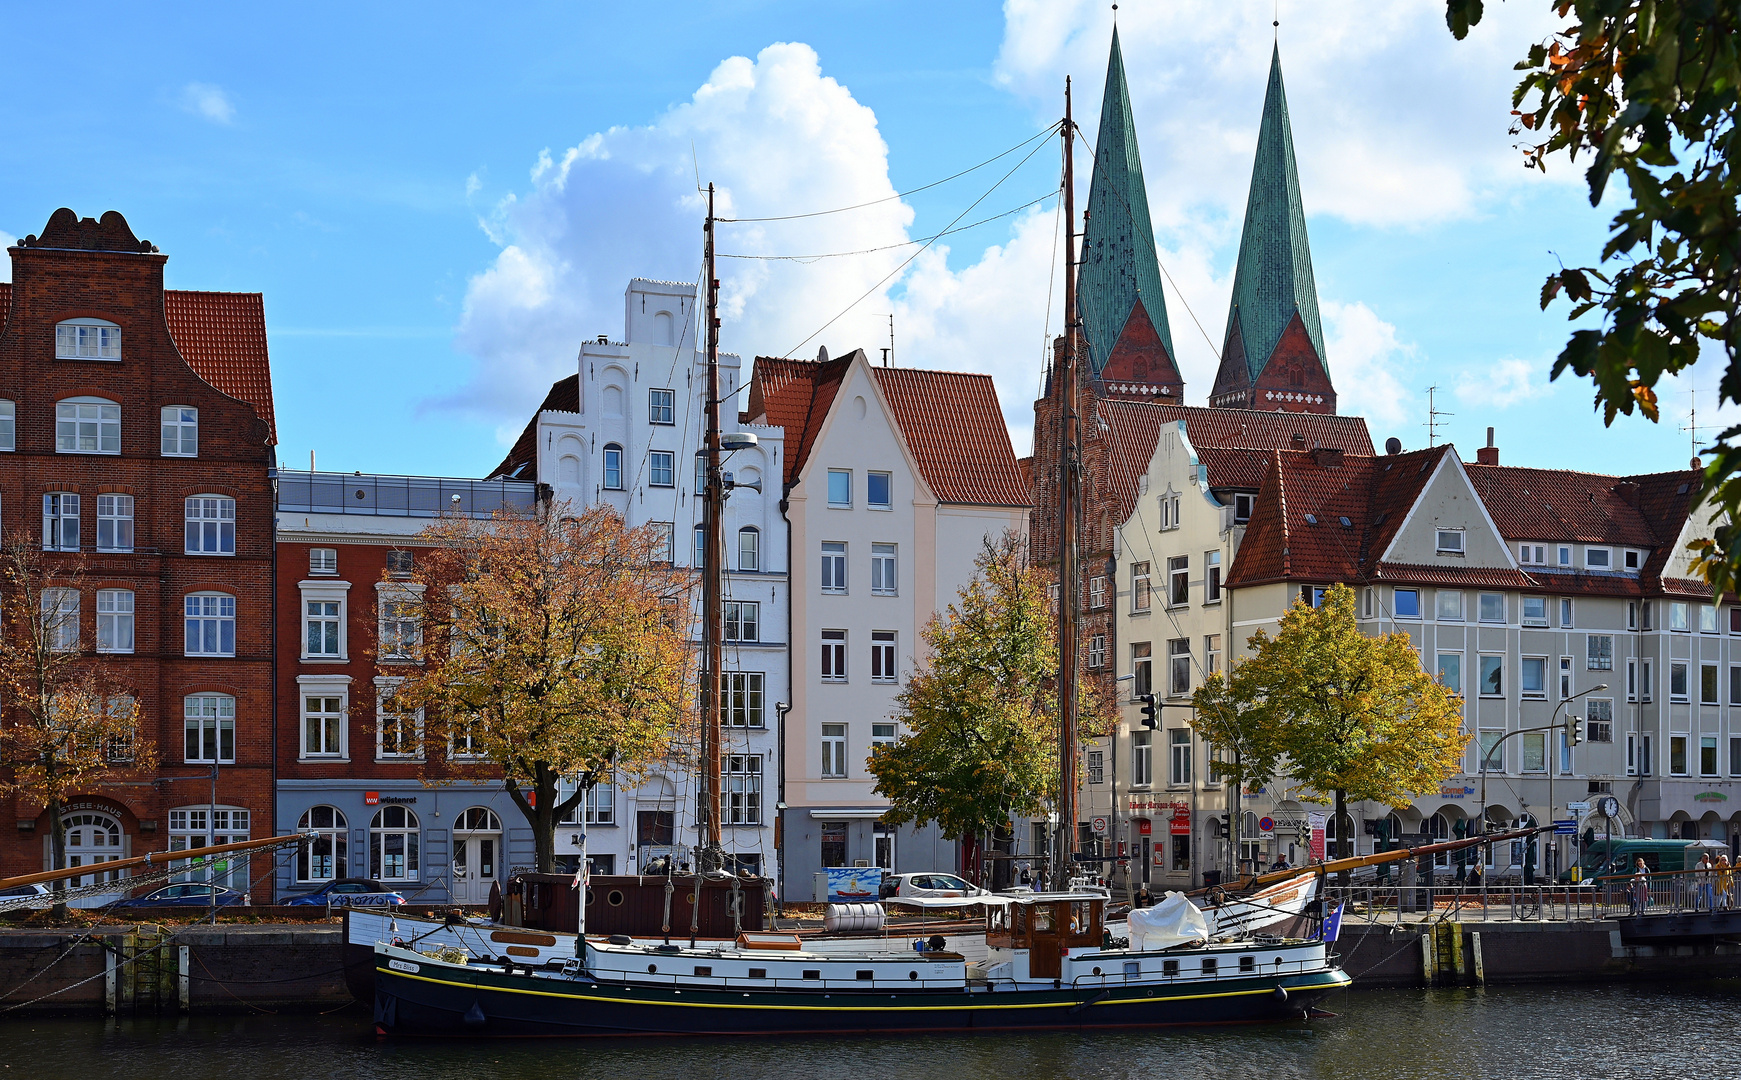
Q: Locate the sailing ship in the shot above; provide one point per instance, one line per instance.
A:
(1050, 961)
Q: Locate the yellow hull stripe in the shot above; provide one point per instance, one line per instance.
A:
(1334, 982)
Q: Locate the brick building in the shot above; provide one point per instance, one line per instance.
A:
(347, 770)
(136, 435)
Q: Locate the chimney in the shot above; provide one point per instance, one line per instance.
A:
(1299, 441)
(1489, 454)
(1628, 492)
(1327, 456)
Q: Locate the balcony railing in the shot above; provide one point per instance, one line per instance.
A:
(401, 496)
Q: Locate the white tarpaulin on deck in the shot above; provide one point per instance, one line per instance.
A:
(1173, 921)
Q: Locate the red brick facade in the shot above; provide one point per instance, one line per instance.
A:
(99, 270)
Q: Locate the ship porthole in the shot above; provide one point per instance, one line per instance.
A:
(912, 975)
(589, 897)
(1097, 971)
(614, 898)
(651, 968)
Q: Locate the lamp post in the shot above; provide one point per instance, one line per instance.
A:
(1487, 755)
(211, 823)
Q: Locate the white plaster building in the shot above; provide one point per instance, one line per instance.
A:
(625, 431)
(894, 479)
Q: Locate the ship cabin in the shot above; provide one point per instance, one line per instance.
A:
(1031, 936)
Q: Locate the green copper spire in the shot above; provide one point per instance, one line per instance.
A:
(1118, 244)
(1274, 278)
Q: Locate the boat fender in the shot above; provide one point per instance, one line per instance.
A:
(474, 1016)
(668, 949)
(620, 939)
(1280, 993)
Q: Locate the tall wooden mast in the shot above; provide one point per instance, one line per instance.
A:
(713, 630)
(1068, 499)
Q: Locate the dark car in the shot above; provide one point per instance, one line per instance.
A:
(190, 895)
(347, 892)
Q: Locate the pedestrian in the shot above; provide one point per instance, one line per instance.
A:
(1725, 882)
(1640, 892)
(1707, 882)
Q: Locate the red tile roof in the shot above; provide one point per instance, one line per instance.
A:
(1558, 504)
(956, 431)
(564, 396)
(794, 395)
(1133, 427)
(1232, 467)
(222, 336)
(1296, 529)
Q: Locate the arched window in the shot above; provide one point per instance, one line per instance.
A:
(210, 620)
(749, 548)
(477, 819)
(324, 857)
(1439, 828)
(613, 466)
(87, 425)
(91, 838)
(211, 525)
(87, 339)
(393, 845)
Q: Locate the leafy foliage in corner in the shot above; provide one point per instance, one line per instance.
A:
(550, 647)
(1648, 90)
(980, 741)
(1343, 714)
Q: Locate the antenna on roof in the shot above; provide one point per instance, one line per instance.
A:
(1691, 427)
(1433, 413)
(889, 353)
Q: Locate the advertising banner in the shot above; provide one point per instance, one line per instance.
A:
(854, 884)
(1316, 848)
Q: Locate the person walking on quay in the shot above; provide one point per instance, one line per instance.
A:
(1725, 883)
(1640, 893)
(1707, 874)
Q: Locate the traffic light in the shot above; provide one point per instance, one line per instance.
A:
(1151, 712)
(1574, 730)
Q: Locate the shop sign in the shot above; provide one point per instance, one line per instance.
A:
(375, 798)
(1160, 855)
(1140, 804)
(1143, 826)
(1456, 791)
(1710, 796)
(1317, 843)
(1181, 825)
(371, 798)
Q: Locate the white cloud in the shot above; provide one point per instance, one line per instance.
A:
(1506, 382)
(1366, 357)
(208, 101)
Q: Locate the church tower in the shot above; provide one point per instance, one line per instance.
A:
(1272, 357)
(1124, 314)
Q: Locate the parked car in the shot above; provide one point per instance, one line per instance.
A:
(928, 884)
(194, 894)
(347, 892)
(36, 897)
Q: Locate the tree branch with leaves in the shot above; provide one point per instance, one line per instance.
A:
(553, 647)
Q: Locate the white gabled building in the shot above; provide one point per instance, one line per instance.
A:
(624, 430)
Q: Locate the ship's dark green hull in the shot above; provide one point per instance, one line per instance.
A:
(458, 1001)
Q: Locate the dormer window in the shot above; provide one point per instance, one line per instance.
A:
(1242, 508)
(87, 339)
(1598, 559)
(1633, 560)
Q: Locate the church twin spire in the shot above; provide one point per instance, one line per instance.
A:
(1273, 352)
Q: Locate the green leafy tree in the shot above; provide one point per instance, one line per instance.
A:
(980, 741)
(1345, 715)
(1648, 91)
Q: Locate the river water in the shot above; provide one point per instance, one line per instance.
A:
(1681, 1031)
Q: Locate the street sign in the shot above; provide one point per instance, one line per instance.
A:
(1565, 827)
(1097, 826)
(1266, 824)
(1578, 807)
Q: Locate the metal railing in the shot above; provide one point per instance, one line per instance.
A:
(401, 496)
(1667, 893)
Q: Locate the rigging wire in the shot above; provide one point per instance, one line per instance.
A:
(892, 247)
(901, 195)
(886, 278)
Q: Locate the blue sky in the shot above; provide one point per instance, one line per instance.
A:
(440, 202)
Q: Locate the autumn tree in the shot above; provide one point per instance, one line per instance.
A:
(1647, 92)
(1346, 715)
(550, 647)
(71, 722)
(980, 717)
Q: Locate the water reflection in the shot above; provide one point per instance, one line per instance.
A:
(1680, 1030)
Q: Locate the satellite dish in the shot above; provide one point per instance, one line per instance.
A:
(1393, 445)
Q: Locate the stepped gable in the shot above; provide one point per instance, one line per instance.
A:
(1273, 354)
(1120, 270)
(795, 395)
(222, 336)
(955, 429)
(564, 396)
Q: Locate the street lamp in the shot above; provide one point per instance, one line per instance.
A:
(1487, 755)
(211, 823)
